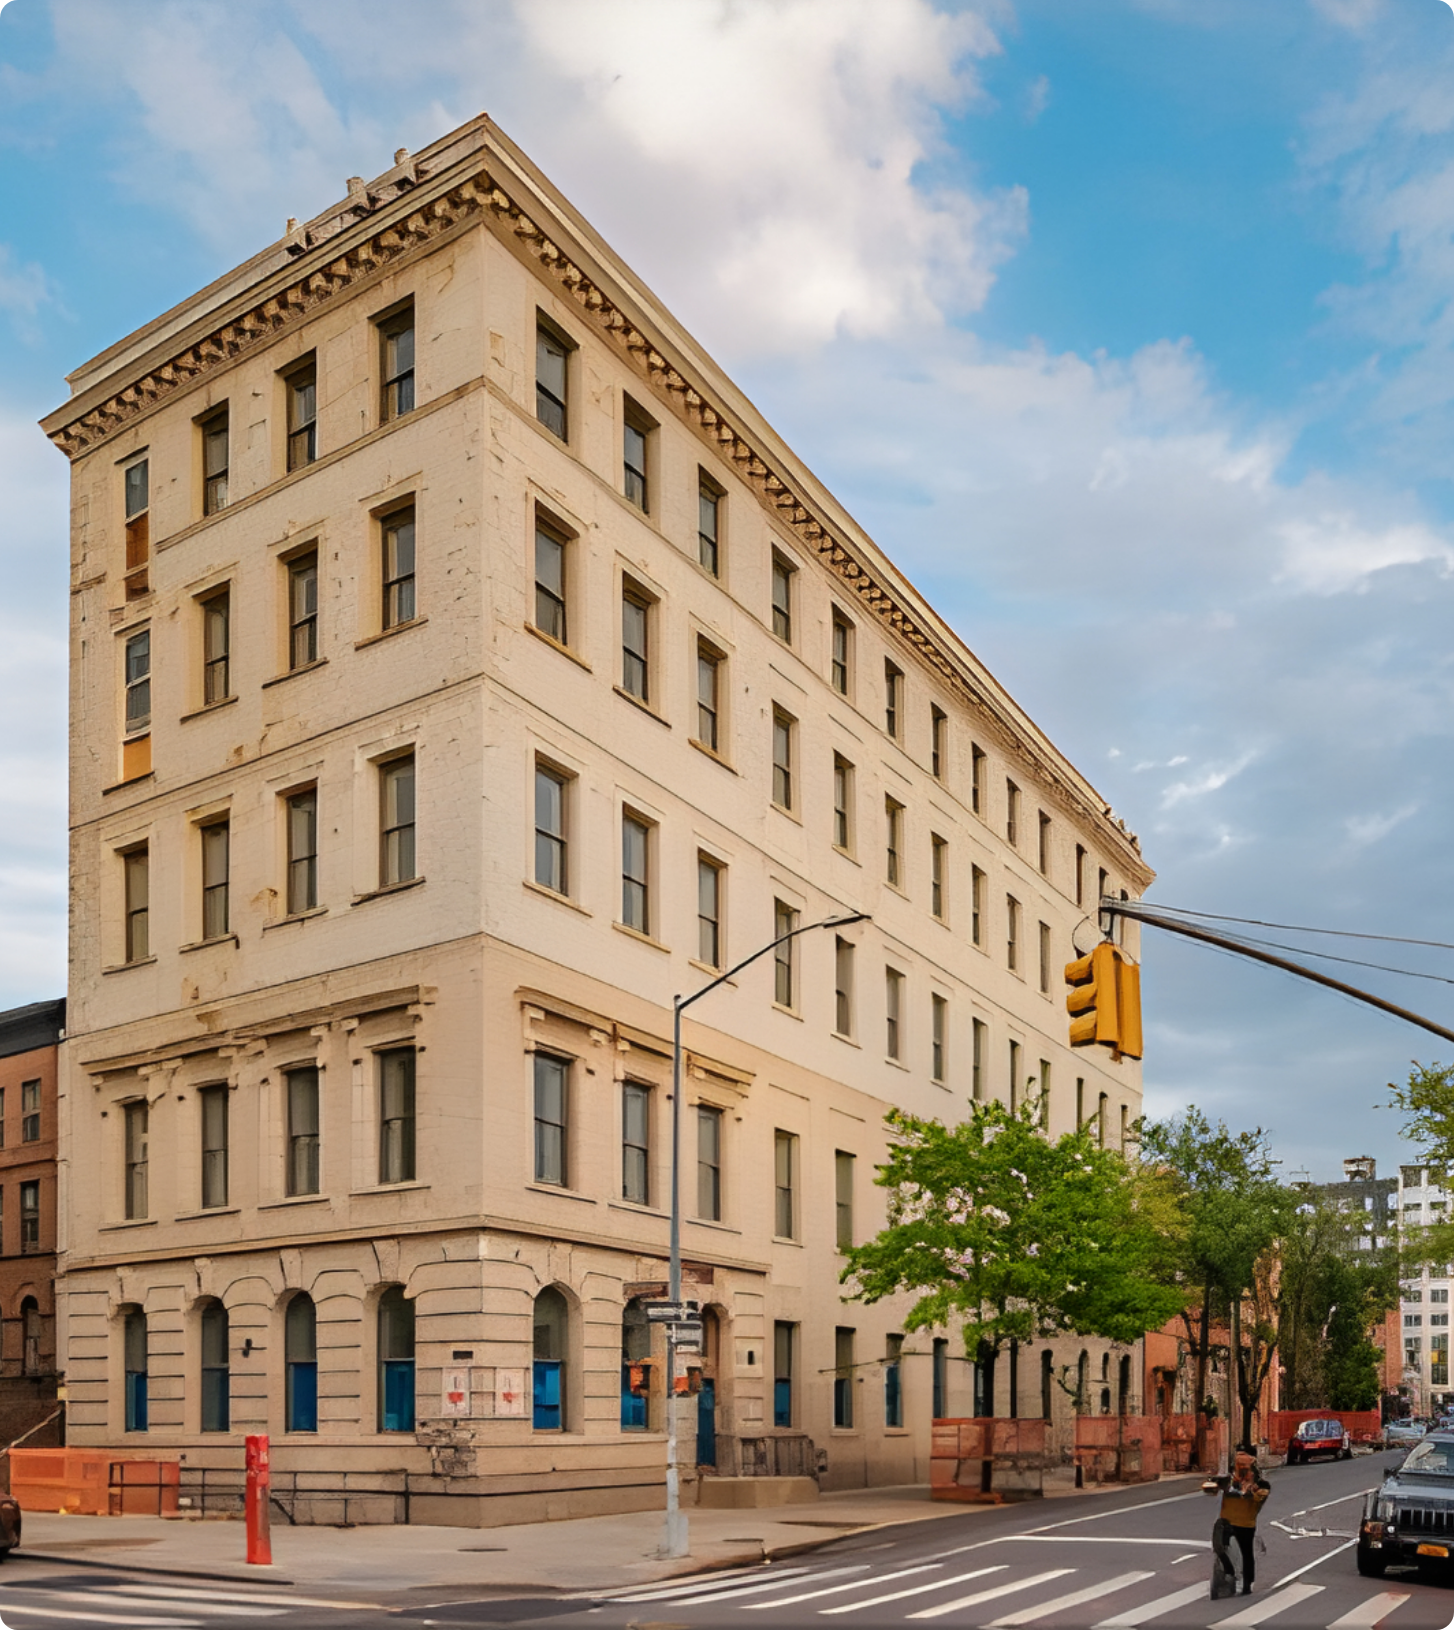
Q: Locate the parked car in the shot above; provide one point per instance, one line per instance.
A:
(1319, 1437)
(9, 1525)
(1411, 1517)
(1403, 1434)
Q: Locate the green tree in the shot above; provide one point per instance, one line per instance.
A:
(1426, 1101)
(1332, 1291)
(1014, 1235)
(1235, 1209)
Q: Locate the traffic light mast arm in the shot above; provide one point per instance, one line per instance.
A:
(1120, 908)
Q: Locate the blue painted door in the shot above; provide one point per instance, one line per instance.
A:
(707, 1424)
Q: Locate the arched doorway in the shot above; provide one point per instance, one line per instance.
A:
(707, 1392)
(134, 1364)
(396, 1361)
(635, 1367)
(549, 1377)
(30, 1327)
(216, 1369)
(300, 1362)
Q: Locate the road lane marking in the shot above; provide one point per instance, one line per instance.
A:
(916, 1590)
(1187, 1558)
(1119, 1511)
(941, 1608)
(734, 1591)
(1358, 1495)
(1134, 1616)
(174, 1593)
(110, 1597)
(69, 1614)
(1099, 1539)
(1317, 1562)
(660, 1590)
(1367, 1614)
(1269, 1606)
(1028, 1615)
(832, 1590)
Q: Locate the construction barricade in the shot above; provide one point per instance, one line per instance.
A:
(987, 1461)
(1118, 1448)
(93, 1483)
(1362, 1425)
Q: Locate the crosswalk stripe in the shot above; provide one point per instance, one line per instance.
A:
(734, 1591)
(832, 1590)
(914, 1590)
(1134, 1616)
(659, 1592)
(1043, 1610)
(1367, 1614)
(941, 1608)
(107, 1598)
(1269, 1605)
(69, 1614)
(261, 1599)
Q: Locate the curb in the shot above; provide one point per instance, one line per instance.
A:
(24, 1553)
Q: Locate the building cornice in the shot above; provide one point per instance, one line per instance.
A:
(399, 227)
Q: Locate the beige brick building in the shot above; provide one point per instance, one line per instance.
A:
(461, 668)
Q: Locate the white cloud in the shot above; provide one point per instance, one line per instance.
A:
(1212, 779)
(1330, 554)
(24, 289)
(1366, 829)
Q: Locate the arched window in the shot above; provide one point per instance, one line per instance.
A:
(1124, 1385)
(1082, 1384)
(133, 1341)
(396, 1361)
(1047, 1377)
(30, 1332)
(635, 1367)
(300, 1359)
(552, 1318)
(216, 1374)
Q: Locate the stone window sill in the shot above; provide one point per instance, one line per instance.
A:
(126, 967)
(645, 707)
(388, 633)
(296, 1200)
(555, 645)
(639, 937)
(206, 708)
(293, 673)
(297, 917)
(388, 889)
(203, 945)
(552, 894)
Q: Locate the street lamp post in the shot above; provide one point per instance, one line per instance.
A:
(674, 1531)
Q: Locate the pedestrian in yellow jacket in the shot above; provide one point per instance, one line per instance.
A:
(1243, 1493)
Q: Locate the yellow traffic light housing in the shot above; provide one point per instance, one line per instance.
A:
(1105, 1001)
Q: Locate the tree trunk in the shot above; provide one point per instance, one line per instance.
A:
(1199, 1402)
(1234, 1392)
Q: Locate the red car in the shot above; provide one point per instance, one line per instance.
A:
(1320, 1437)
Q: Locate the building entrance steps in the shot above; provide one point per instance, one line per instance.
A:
(584, 1553)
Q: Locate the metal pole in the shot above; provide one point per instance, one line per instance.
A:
(674, 1541)
(674, 1536)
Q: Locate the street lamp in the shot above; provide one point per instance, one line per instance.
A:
(674, 1531)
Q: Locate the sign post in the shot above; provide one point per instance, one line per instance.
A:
(259, 1484)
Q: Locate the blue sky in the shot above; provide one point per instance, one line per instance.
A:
(1123, 324)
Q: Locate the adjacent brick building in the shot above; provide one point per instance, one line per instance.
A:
(29, 1047)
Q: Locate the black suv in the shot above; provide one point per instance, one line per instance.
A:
(1411, 1518)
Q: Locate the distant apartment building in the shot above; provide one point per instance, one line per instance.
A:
(1423, 1199)
(461, 668)
(29, 1047)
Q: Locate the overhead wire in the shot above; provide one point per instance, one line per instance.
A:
(1298, 928)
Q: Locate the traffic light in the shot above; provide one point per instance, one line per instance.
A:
(1105, 1001)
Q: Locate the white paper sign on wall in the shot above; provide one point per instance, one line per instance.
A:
(509, 1392)
(456, 1399)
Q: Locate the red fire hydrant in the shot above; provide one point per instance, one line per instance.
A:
(259, 1482)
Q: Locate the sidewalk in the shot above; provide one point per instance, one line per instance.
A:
(582, 1554)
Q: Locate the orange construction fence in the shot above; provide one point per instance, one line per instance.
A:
(1362, 1425)
(988, 1460)
(1118, 1448)
(93, 1482)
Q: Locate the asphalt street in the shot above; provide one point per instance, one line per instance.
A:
(1139, 1556)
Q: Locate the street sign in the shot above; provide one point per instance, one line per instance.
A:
(670, 1312)
(685, 1332)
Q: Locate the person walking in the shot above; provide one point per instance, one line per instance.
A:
(1243, 1492)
